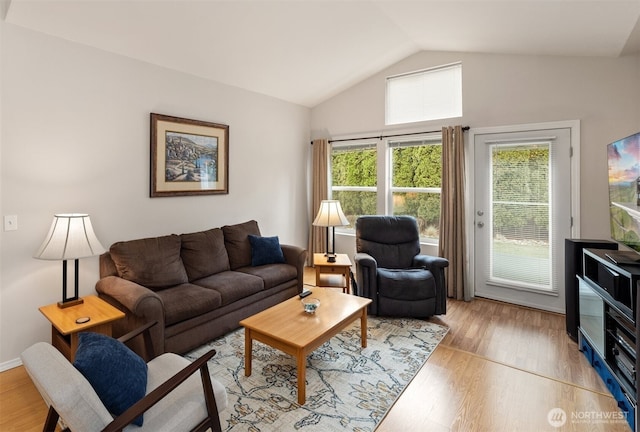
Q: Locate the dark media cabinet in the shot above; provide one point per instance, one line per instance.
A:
(608, 335)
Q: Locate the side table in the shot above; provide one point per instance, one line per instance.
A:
(333, 274)
(65, 329)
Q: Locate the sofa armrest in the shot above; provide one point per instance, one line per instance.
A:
(107, 266)
(436, 266)
(140, 304)
(367, 279)
(295, 256)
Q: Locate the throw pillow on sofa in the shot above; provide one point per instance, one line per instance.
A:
(265, 250)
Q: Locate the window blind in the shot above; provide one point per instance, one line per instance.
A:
(429, 94)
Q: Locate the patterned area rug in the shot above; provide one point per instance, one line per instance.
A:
(348, 387)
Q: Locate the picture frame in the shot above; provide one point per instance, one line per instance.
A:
(188, 157)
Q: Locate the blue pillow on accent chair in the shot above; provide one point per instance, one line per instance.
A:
(116, 373)
(265, 250)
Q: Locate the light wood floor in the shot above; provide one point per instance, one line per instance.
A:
(500, 368)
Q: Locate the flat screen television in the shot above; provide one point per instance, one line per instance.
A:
(623, 158)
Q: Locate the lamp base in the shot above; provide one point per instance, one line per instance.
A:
(331, 257)
(68, 303)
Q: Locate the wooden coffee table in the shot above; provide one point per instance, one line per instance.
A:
(288, 328)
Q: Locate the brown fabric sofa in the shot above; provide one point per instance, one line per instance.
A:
(198, 286)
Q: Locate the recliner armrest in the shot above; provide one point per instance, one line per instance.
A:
(430, 262)
(436, 266)
(365, 260)
(367, 279)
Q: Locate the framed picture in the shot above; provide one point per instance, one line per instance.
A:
(188, 157)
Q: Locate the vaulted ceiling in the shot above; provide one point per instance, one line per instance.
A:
(305, 51)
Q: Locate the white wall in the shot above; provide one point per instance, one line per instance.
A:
(498, 90)
(75, 138)
(3, 10)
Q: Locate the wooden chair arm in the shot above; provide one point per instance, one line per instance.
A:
(146, 334)
(212, 421)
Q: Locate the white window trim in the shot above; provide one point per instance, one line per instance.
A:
(384, 200)
(574, 125)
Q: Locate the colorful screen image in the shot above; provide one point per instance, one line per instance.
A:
(623, 158)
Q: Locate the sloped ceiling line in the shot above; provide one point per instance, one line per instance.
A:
(308, 51)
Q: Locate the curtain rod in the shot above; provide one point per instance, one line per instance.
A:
(464, 128)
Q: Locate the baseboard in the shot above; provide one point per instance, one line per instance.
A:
(519, 303)
(10, 364)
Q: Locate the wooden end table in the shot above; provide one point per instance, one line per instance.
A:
(333, 274)
(64, 329)
(288, 328)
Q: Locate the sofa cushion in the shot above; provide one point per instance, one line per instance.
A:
(187, 301)
(236, 240)
(203, 253)
(152, 262)
(232, 285)
(406, 284)
(265, 250)
(117, 374)
(272, 274)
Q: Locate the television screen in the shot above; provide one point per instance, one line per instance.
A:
(624, 190)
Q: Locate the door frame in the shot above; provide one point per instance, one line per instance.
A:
(574, 127)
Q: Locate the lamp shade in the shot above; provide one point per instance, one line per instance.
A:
(71, 236)
(330, 214)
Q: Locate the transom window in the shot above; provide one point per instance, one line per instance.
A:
(429, 94)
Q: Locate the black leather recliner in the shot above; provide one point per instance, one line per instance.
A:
(391, 271)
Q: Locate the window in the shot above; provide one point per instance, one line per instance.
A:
(416, 178)
(390, 176)
(429, 94)
(354, 179)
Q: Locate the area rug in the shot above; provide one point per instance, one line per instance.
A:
(349, 388)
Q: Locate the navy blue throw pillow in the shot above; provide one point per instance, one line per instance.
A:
(265, 250)
(117, 374)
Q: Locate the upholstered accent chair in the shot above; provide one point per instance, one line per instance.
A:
(391, 271)
(180, 395)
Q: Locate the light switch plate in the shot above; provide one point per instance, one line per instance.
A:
(11, 222)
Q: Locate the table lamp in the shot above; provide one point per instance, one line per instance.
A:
(330, 215)
(71, 236)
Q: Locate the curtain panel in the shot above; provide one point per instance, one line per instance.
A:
(319, 192)
(452, 226)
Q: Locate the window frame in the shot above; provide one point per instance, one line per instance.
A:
(384, 172)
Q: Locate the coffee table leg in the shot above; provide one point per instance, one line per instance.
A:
(363, 327)
(248, 348)
(302, 377)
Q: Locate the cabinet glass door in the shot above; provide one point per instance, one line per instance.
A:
(591, 316)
